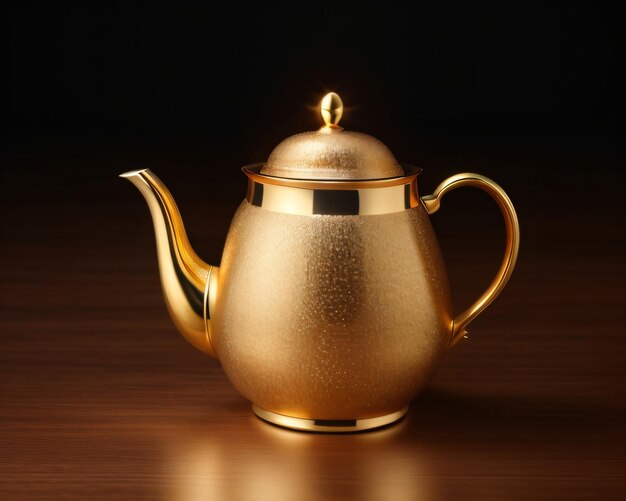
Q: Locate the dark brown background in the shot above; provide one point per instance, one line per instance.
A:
(99, 396)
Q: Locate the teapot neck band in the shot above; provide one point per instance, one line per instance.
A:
(337, 198)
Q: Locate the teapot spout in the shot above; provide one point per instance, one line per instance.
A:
(189, 284)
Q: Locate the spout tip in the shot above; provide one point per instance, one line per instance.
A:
(133, 173)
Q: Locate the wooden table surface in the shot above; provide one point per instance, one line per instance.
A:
(101, 399)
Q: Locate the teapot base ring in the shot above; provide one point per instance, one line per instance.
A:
(328, 425)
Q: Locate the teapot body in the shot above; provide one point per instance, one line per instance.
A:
(331, 309)
(331, 317)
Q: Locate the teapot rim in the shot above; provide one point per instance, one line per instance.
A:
(253, 172)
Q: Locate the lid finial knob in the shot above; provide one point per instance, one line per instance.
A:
(331, 109)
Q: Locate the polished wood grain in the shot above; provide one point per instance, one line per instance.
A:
(101, 399)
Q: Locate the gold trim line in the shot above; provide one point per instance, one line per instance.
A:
(307, 198)
(328, 425)
(254, 172)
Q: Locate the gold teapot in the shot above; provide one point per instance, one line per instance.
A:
(330, 310)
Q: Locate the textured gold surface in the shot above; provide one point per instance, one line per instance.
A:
(432, 202)
(331, 317)
(186, 279)
(331, 152)
(329, 426)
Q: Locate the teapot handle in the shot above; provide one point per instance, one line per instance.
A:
(432, 203)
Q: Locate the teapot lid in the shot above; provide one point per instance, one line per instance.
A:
(332, 153)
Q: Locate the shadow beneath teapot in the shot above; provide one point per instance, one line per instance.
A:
(447, 441)
(530, 425)
(438, 416)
